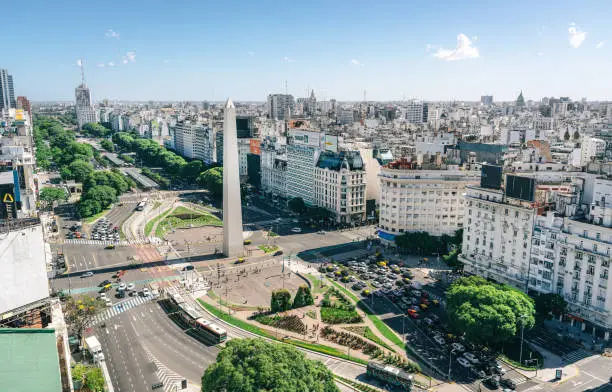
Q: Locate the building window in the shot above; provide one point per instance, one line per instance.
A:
(591, 270)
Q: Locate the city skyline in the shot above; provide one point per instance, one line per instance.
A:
(435, 52)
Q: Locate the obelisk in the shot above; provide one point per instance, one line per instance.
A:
(232, 210)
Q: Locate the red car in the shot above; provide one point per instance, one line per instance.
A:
(413, 313)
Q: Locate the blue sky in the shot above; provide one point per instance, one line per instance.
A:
(208, 50)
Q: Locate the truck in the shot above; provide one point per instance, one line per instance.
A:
(95, 348)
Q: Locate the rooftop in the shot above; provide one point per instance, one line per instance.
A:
(350, 160)
(29, 360)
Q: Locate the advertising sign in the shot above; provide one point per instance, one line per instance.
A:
(255, 146)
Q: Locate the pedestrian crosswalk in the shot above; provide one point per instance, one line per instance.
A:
(118, 308)
(82, 241)
(576, 356)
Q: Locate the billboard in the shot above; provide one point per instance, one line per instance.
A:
(331, 143)
(491, 176)
(255, 146)
(305, 138)
(522, 188)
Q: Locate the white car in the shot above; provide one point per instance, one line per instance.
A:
(103, 297)
(440, 340)
(131, 286)
(87, 274)
(471, 357)
(458, 346)
(464, 362)
(109, 303)
(122, 286)
(146, 292)
(296, 230)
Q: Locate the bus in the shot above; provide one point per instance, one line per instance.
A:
(390, 375)
(216, 333)
(140, 206)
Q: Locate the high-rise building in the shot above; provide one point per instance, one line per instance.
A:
(85, 111)
(24, 103)
(280, 106)
(7, 91)
(194, 141)
(417, 112)
(486, 100)
(303, 150)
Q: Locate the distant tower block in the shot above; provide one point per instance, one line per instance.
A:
(232, 210)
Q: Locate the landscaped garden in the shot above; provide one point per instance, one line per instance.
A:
(182, 217)
(338, 309)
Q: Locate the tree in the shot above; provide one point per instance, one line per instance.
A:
(212, 179)
(566, 135)
(252, 365)
(452, 259)
(89, 207)
(303, 297)
(80, 312)
(576, 135)
(548, 304)
(192, 170)
(488, 313)
(280, 301)
(50, 195)
(297, 205)
(80, 170)
(97, 130)
(103, 194)
(107, 145)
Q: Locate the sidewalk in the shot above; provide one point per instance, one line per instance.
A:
(552, 362)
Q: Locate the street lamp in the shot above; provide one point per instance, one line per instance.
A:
(450, 362)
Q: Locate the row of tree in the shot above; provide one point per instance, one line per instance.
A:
(281, 299)
(422, 243)
(97, 130)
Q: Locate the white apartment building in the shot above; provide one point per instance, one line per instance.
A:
(194, 141)
(85, 110)
(417, 112)
(497, 236)
(414, 199)
(591, 147)
(244, 148)
(572, 258)
(303, 150)
(273, 171)
(340, 185)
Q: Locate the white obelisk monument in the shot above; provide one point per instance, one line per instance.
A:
(232, 210)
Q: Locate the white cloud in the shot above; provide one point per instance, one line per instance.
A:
(356, 62)
(576, 37)
(251, 53)
(166, 61)
(130, 57)
(540, 54)
(464, 50)
(600, 45)
(79, 63)
(101, 65)
(288, 60)
(112, 34)
(111, 64)
(475, 38)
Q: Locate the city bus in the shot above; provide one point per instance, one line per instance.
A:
(390, 375)
(141, 205)
(215, 333)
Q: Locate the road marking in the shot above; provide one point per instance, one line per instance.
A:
(594, 376)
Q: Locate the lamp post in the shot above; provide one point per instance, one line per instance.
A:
(450, 362)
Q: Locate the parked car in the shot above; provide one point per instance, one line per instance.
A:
(506, 382)
(464, 362)
(471, 357)
(131, 286)
(440, 340)
(104, 283)
(87, 274)
(458, 346)
(296, 230)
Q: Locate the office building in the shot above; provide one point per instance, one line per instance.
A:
(303, 150)
(280, 106)
(85, 110)
(7, 91)
(193, 140)
(425, 198)
(24, 104)
(340, 185)
(273, 165)
(486, 100)
(417, 112)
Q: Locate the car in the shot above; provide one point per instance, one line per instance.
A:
(498, 369)
(122, 287)
(278, 219)
(278, 253)
(321, 232)
(296, 230)
(146, 292)
(458, 346)
(103, 296)
(131, 286)
(416, 293)
(506, 382)
(104, 283)
(108, 302)
(471, 357)
(375, 284)
(87, 274)
(413, 313)
(111, 246)
(428, 321)
(464, 362)
(492, 382)
(239, 260)
(440, 340)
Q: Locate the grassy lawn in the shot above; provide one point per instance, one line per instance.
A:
(183, 217)
(378, 323)
(253, 329)
(268, 248)
(94, 218)
(316, 284)
(157, 204)
(151, 223)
